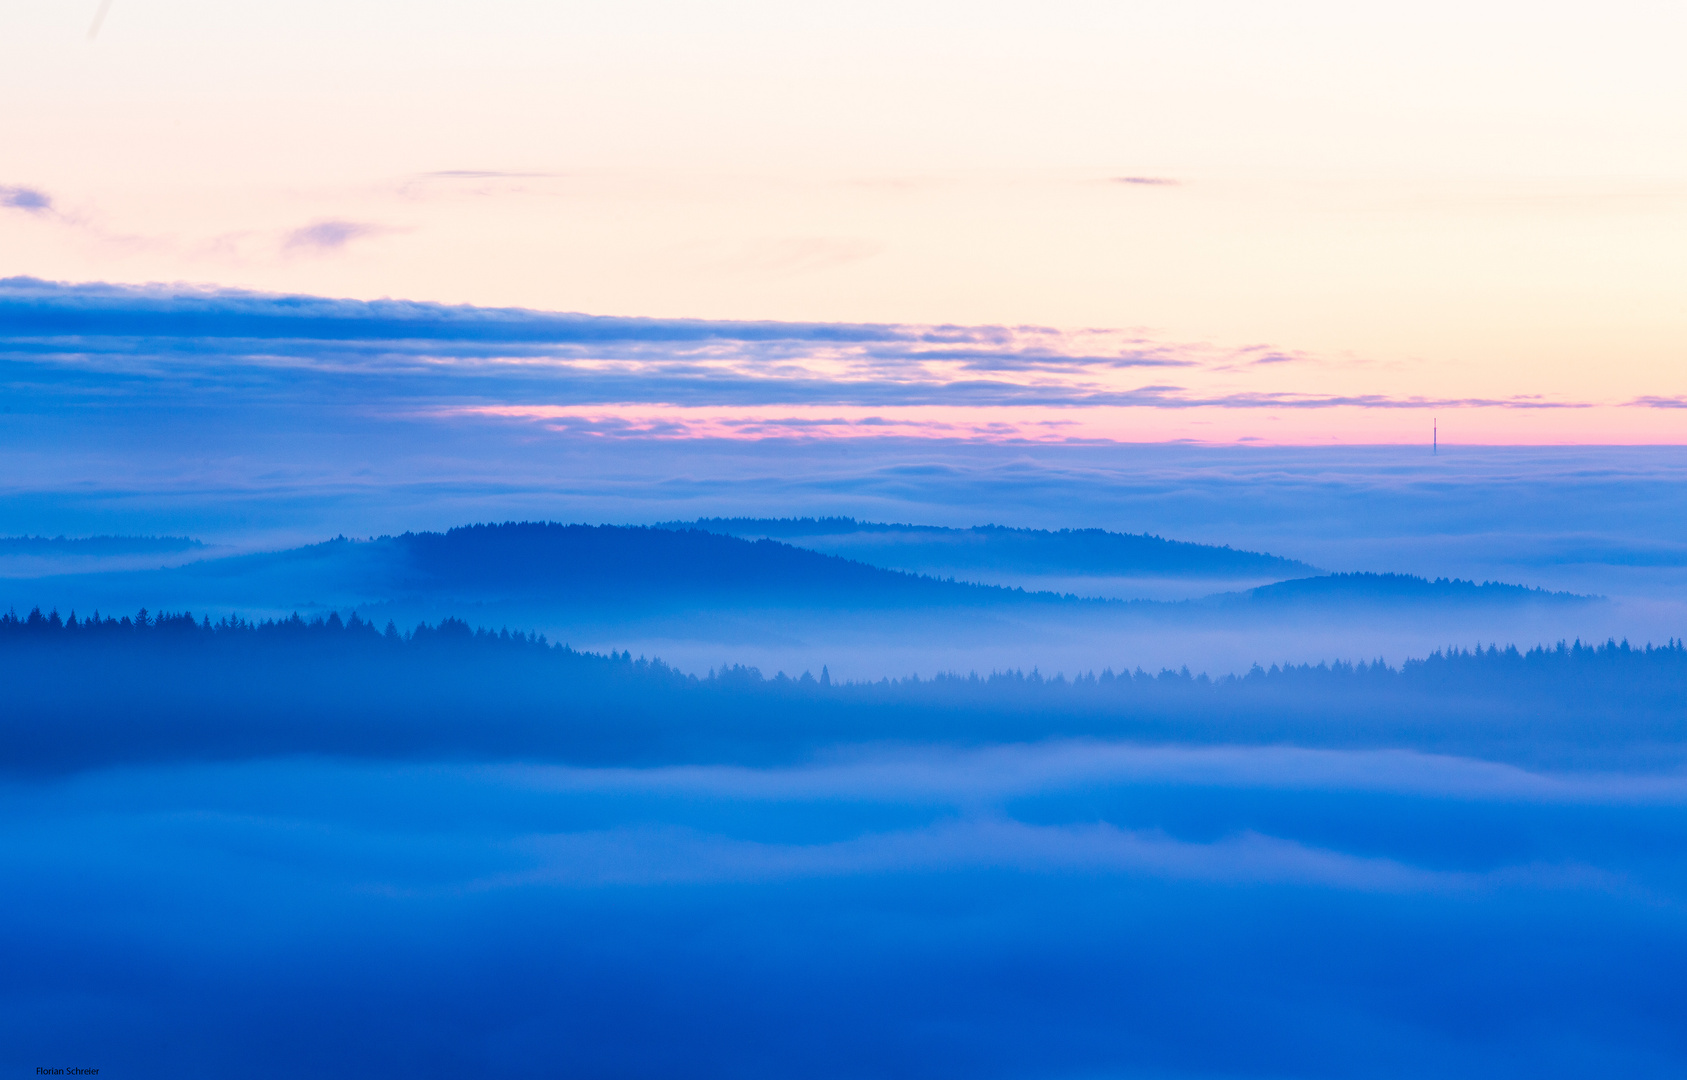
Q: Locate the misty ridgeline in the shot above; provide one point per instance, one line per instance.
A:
(84, 691)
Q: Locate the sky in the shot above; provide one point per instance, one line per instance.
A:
(1456, 215)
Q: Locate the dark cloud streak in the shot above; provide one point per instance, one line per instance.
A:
(29, 200)
(180, 342)
(330, 235)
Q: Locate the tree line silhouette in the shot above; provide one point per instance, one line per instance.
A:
(1094, 551)
(81, 691)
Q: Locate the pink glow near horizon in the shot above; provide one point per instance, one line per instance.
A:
(1441, 201)
(1633, 425)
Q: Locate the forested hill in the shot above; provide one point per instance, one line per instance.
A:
(96, 545)
(613, 559)
(620, 569)
(90, 691)
(1391, 589)
(618, 562)
(1066, 551)
(581, 565)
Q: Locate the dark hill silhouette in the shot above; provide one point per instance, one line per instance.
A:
(1066, 551)
(609, 561)
(1392, 589)
(619, 571)
(95, 545)
(595, 565)
(562, 565)
(84, 692)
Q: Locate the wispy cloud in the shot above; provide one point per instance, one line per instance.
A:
(1176, 397)
(993, 776)
(29, 200)
(481, 174)
(799, 254)
(677, 377)
(331, 235)
(47, 207)
(1147, 181)
(100, 14)
(651, 855)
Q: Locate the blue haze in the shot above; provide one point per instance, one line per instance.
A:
(330, 850)
(246, 418)
(1243, 913)
(253, 422)
(699, 599)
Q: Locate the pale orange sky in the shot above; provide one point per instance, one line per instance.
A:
(1444, 201)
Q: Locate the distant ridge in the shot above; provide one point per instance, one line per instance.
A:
(94, 545)
(92, 692)
(574, 566)
(612, 560)
(1066, 551)
(1396, 588)
(620, 570)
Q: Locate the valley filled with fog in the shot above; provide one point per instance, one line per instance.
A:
(363, 714)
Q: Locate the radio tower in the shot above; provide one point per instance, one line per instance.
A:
(1434, 437)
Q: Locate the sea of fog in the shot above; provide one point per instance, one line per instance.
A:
(1600, 522)
(1064, 909)
(292, 868)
